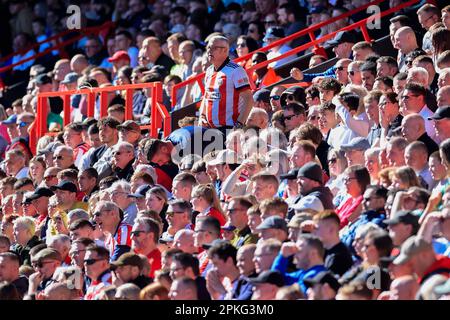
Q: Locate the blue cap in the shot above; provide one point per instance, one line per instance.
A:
(140, 191)
(262, 95)
(11, 119)
(274, 32)
(70, 78)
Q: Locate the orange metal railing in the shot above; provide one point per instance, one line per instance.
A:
(313, 43)
(160, 117)
(59, 46)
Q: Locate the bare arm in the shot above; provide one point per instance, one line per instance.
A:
(231, 186)
(245, 104)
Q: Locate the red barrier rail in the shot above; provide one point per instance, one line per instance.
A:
(308, 31)
(160, 117)
(59, 46)
(314, 42)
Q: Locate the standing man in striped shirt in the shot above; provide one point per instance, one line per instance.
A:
(228, 99)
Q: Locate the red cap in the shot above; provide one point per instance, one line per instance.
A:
(119, 55)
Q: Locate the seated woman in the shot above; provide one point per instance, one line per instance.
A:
(337, 163)
(205, 201)
(356, 180)
(156, 200)
(404, 178)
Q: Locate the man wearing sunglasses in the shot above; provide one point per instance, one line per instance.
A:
(144, 241)
(118, 234)
(97, 268)
(44, 263)
(275, 95)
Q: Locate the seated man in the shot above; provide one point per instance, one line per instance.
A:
(128, 269)
(122, 160)
(66, 197)
(97, 268)
(119, 192)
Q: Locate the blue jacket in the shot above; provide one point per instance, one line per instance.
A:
(281, 264)
(376, 217)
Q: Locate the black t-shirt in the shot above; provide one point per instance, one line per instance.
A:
(21, 284)
(338, 259)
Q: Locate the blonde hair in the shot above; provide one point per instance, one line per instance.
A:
(27, 222)
(208, 192)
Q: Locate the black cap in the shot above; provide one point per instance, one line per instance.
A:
(344, 36)
(216, 242)
(66, 186)
(269, 276)
(140, 191)
(311, 170)
(406, 217)
(262, 95)
(43, 79)
(441, 113)
(291, 175)
(322, 278)
(274, 32)
(273, 222)
(127, 259)
(38, 193)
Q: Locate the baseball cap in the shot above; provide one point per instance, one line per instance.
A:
(297, 220)
(140, 191)
(262, 95)
(43, 79)
(358, 143)
(441, 113)
(71, 77)
(291, 175)
(344, 36)
(226, 156)
(127, 259)
(216, 242)
(228, 227)
(166, 238)
(66, 186)
(273, 222)
(322, 278)
(274, 33)
(121, 54)
(129, 125)
(11, 119)
(311, 170)
(406, 217)
(50, 148)
(410, 247)
(269, 276)
(38, 193)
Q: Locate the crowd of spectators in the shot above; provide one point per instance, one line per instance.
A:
(336, 187)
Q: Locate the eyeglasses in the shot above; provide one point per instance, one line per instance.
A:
(97, 214)
(233, 210)
(212, 48)
(370, 198)
(269, 21)
(289, 117)
(352, 73)
(47, 178)
(137, 233)
(340, 68)
(348, 179)
(90, 262)
(241, 45)
(118, 153)
(58, 157)
(251, 30)
(172, 213)
(115, 193)
(276, 97)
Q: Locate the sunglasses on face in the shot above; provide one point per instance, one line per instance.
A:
(136, 233)
(251, 30)
(289, 117)
(332, 160)
(340, 68)
(40, 264)
(241, 45)
(58, 158)
(47, 178)
(22, 124)
(90, 262)
(172, 213)
(276, 97)
(352, 73)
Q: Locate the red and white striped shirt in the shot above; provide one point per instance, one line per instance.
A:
(222, 89)
(122, 237)
(97, 286)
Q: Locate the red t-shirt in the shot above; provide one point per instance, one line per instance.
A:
(346, 210)
(154, 258)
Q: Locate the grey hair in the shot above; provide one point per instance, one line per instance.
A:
(78, 214)
(108, 205)
(59, 238)
(147, 169)
(126, 145)
(121, 184)
(64, 148)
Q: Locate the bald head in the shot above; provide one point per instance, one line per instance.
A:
(405, 40)
(404, 288)
(78, 63)
(413, 126)
(58, 291)
(258, 117)
(443, 96)
(444, 78)
(62, 67)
